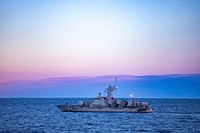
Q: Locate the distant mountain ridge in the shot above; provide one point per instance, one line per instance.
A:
(153, 86)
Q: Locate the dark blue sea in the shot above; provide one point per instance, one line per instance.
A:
(42, 116)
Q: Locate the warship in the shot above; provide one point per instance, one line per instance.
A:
(108, 104)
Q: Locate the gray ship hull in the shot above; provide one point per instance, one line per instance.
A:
(77, 108)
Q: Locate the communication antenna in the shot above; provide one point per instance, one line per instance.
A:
(115, 87)
(115, 81)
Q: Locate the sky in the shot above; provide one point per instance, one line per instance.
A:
(151, 86)
(55, 38)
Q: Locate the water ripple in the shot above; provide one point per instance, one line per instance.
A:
(42, 116)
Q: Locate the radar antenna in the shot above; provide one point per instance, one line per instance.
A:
(110, 89)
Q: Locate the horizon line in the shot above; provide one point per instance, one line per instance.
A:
(92, 98)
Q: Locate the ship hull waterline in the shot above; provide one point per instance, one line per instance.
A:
(65, 108)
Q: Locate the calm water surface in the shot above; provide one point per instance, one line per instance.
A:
(42, 115)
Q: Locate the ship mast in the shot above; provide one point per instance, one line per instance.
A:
(110, 90)
(115, 83)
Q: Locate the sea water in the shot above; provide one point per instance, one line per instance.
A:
(34, 115)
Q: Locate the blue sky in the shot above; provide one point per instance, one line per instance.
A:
(44, 39)
(165, 86)
(72, 38)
